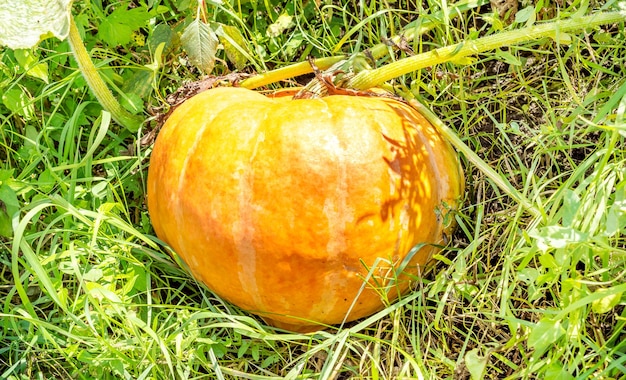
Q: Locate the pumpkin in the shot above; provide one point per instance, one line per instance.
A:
(306, 212)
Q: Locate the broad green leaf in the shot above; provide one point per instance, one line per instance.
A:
(508, 58)
(292, 47)
(526, 15)
(99, 190)
(557, 371)
(571, 204)
(475, 363)
(6, 229)
(23, 23)
(46, 181)
(18, 101)
(31, 136)
(93, 275)
(603, 37)
(182, 5)
(495, 22)
(99, 292)
(9, 206)
(9, 198)
(234, 45)
(85, 357)
(282, 23)
(544, 334)
(606, 303)
(118, 27)
(6, 75)
(138, 84)
(118, 367)
(556, 237)
(6, 174)
(547, 261)
(200, 43)
(162, 34)
(132, 103)
(31, 65)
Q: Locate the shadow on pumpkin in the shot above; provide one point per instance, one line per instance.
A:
(415, 203)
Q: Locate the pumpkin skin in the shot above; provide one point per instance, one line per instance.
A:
(301, 211)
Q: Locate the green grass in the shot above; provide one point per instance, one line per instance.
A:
(88, 291)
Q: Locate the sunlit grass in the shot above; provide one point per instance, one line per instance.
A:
(87, 290)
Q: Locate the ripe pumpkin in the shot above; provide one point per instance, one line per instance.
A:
(302, 211)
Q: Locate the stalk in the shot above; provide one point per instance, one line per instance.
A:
(372, 78)
(97, 85)
(417, 28)
(378, 51)
(288, 72)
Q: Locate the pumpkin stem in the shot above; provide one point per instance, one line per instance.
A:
(287, 72)
(97, 85)
(409, 33)
(372, 78)
(329, 82)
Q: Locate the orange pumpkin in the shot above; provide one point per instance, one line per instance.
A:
(302, 211)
